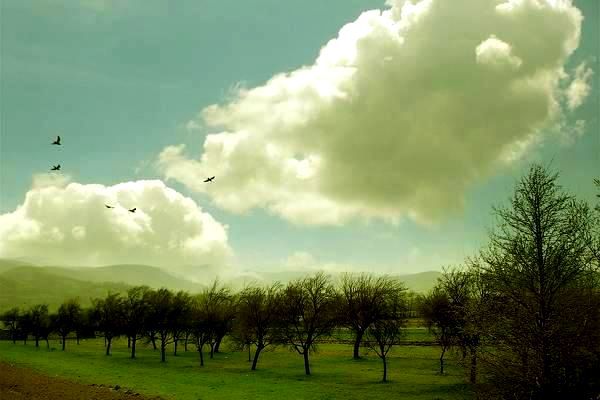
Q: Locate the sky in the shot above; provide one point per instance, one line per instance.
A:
(344, 135)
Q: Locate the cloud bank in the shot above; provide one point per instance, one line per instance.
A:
(65, 223)
(397, 117)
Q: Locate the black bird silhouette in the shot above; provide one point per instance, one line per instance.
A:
(209, 179)
(132, 210)
(57, 141)
(107, 206)
(56, 168)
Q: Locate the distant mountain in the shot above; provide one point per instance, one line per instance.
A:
(133, 275)
(420, 282)
(6, 264)
(24, 286)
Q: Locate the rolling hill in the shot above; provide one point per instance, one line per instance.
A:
(26, 286)
(23, 284)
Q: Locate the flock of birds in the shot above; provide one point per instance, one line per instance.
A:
(131, 210)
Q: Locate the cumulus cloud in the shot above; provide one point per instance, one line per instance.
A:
(580, 87)
(398, 116)
(66, 223)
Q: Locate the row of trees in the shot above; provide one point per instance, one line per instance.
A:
(523, 314)
(297, 315)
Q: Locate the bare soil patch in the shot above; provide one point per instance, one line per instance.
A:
(17, 383)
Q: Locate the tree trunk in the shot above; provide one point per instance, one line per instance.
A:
(37, 341)
(163, 350)
(64, 339)
(306, 364)
(212, 350)
(201, 356)
(185, 343)
(442, 360)
(77, 337)
(357, 341)
(473, 366)
(175, 347)
(153, 340)
(47, 343)
(218, 343)
(384, 368)
(256, 354)
(133, 341)
(108, 343)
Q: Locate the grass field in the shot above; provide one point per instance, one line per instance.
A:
(280, 374)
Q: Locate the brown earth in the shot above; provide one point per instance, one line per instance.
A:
(17, 383)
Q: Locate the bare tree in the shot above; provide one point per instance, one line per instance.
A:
(437, 313)
(108, 317)
(66, 319)
(546, 307)
(206, 316)
(182, 308)
(385, 332)
(161, 317)
(363, 302)
(135, 314)
(257, 318)
(40, 323)
(10, 319)
(468, 296)
(307, 311)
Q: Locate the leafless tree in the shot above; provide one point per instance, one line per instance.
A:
(385, 332)
(307, 312)
(364, 302)
(257, 318)
(66, 319)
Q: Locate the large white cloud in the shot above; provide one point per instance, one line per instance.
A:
(398, 116)
(65, 223)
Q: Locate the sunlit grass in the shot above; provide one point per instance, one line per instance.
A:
(280, 374)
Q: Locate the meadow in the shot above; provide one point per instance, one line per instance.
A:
(413, 372)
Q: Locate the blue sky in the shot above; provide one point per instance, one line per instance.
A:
(119, 81)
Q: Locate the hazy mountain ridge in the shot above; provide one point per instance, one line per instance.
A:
(23, 284)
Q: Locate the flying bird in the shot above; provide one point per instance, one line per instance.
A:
(132, 210)
(57, 141)
(107, 206)
(56, 168)
(209, 179)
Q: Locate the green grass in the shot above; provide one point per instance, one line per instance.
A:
(280, 375)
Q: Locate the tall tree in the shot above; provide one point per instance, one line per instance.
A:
(308, 312)
(40, 323)
(160, 318)
(439, 318)
(364, 302)
(207, 316)
(182, 308)
(66, 319)
(385, 331)
(10, 319)
(258, 317)
(108, 316)
(135, 314)
(546, 308)
(468, 296)
(25, 325)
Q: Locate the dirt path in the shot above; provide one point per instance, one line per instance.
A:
(18, 383)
